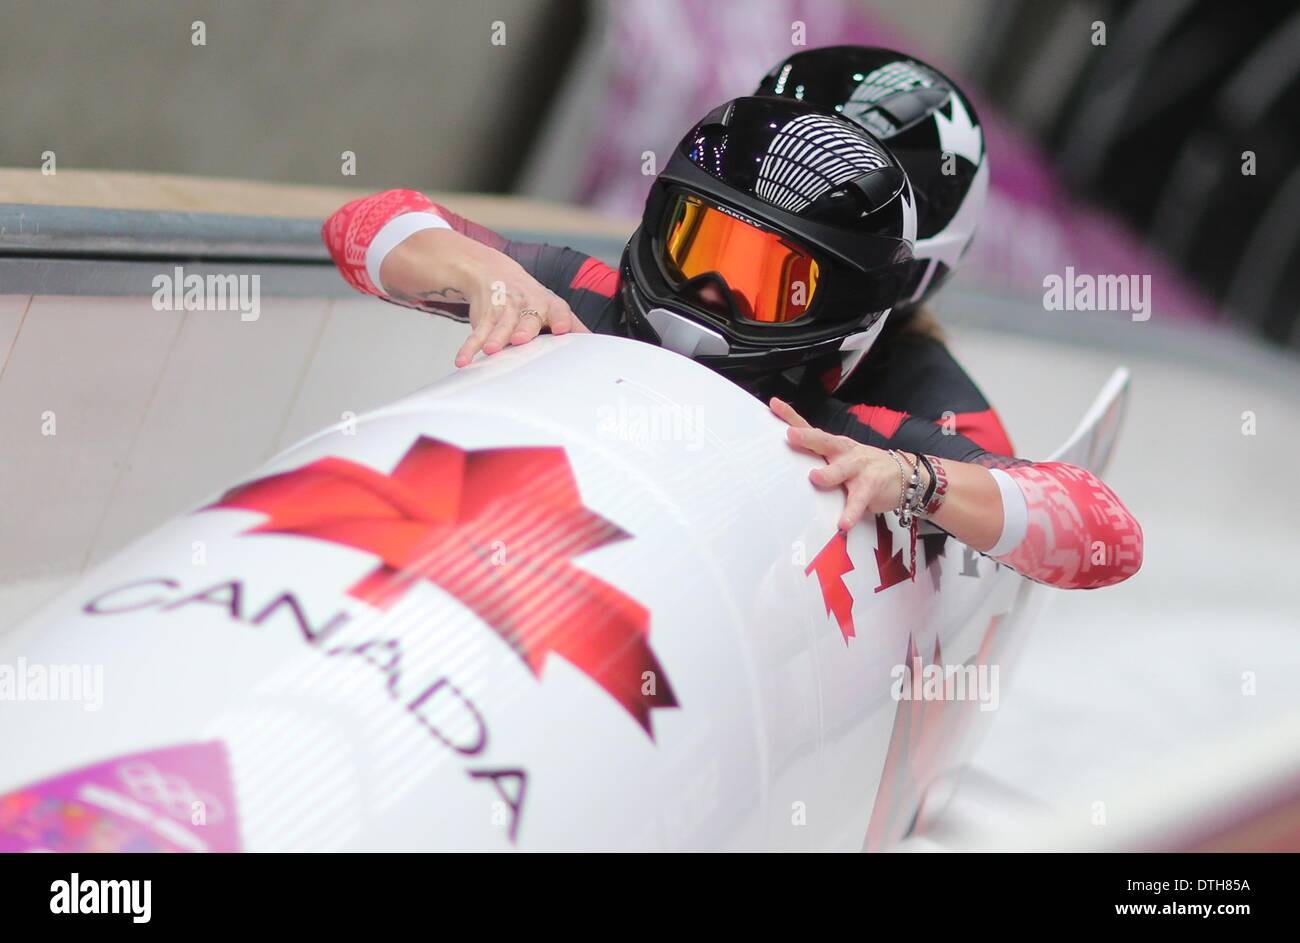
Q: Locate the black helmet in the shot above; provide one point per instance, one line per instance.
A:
(923, 117)
(776, 234)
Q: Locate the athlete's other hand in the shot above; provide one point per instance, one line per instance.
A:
(441, 264)
(869, 476)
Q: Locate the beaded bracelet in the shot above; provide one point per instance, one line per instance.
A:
(911, 493)
(902, 480)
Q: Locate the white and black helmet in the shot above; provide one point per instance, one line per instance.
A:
(928, 124)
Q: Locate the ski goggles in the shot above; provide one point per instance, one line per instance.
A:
(768, 279)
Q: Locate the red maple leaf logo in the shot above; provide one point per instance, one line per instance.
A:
(830, 565)
(497, 529)
(890, 564)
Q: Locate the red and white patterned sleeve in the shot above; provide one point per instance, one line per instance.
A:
(1065, 527)
(359, 234)
(351, 230)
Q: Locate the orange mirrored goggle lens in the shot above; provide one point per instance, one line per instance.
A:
(771, 280)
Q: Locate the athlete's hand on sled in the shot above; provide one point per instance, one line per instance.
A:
(507, 306)
(868, 475)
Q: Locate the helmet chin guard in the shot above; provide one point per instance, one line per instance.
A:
(685, 335)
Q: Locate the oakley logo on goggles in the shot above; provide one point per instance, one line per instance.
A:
(770, 280)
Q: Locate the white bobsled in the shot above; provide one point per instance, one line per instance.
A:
(580, 595)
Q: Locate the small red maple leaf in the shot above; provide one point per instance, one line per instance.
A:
(891, 566)
(830, 565)
(497, 529)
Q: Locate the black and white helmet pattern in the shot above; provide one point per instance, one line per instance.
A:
(883, 82)
(928, 124)
(811, 155)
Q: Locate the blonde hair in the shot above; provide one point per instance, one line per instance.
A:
(923, 323)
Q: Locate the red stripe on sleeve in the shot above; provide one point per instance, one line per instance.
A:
(882, 420)
(984, 429)
(596, 276)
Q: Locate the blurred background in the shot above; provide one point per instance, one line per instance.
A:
(1153, 137)
(560, 99)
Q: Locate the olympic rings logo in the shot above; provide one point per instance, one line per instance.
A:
(173, 794)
